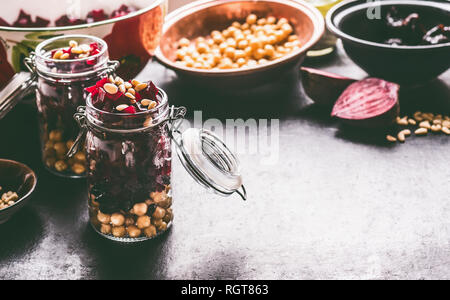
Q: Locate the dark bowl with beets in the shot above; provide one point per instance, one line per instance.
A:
(403, 41)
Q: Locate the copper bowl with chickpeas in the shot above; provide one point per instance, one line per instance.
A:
(238, 44)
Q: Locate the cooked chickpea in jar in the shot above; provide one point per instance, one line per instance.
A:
(255, 42)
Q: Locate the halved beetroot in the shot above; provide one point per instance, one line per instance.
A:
(322, 87)
(371, 102)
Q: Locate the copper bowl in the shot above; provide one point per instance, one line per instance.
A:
(201, 17)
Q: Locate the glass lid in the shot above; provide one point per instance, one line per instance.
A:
(210, 162)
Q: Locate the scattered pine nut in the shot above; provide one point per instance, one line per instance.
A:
(391, 139)
(145, 102)
(446, 130)
(121, 107)
(131, 96)
(73, 44)
(421, 131)
(402, 121)
(436, 128)
(401, 137)
(425, 124)
(412, 122)
(406, 132)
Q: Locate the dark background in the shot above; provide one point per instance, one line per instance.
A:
(340, 202)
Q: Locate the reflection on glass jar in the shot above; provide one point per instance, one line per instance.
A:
(60, 90)
(130, 163)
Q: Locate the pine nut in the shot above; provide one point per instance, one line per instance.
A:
(58, 54)
(146, 102)
(406, 132)
(425, 124)
(436, 128)
(446, 123)
(131, 96)
(135, 82)
(132, 92)
(121, 107)
(437, 121)
(73, 44)
(140, 87)
(122, 89)
(421, 131)
(65, 56)
(446, 130)
(412, 122)
(401, 137)
(418, 116)
(152, 105)
(111, 79)
(77, 50)
(402, 121)
(118, 81)
(391, 139)
(111, 88)
(128, 85)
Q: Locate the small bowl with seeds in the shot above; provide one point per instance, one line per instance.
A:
(17, 184)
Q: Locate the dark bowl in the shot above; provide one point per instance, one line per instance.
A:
(402, 64)
(19, 178)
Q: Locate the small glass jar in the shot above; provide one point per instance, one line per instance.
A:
(130, 164)
(60, 90)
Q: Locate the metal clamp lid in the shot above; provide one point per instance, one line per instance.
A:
(209, 161)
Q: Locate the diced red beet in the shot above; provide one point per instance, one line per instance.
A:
(96, 15)
(371, 102)
(322, 87)
(130, 110)
(41, 22)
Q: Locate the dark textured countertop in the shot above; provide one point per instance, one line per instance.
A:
(337, 204)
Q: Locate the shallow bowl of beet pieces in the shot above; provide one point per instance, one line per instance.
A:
(403, 41)
(19, 179)
(23, 28)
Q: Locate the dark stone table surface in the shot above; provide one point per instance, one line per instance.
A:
(337, 204)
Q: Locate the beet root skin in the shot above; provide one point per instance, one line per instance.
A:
(322, 87)
(371, 103)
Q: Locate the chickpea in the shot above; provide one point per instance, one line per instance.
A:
(118, 231)
(271, 20)
(269, 50)
(157, 222)
(105, 229)
(159, 213)
(230, 52)
(50, 162)
(169, 216)
(279, 35)
(181, 54)
(60, 149)
(143, 222)
(198, 65)
(80, 157)
(133, 231)
(247, 32)
(255, 43)
(262, 61)
(259, 53)
(202, 48)
(78, 168)
(162, 226)
(129, 221)
(287, 29)
(251, 19)
(222, 47)
(231, 42)
(248, 51)
(262, 21)
(150, 231)
(55, 135)
(292, 38)
(236, 24)
(218, 39)
(103, 218)
(245, 26)
(243, 44)
(239, 38)
(184, 42)
(252, 63)
(69, 144)
(117, 219)
(282, 21)
(140, 209)
(61, 166)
